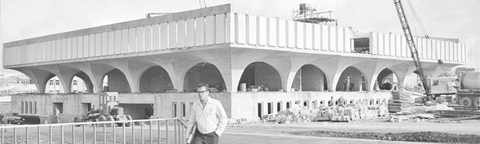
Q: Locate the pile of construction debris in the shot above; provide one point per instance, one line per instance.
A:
(400, 101)
(333, 113)
(404, 106)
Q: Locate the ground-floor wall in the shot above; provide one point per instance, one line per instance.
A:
(168, 105)
(253, 105)
(43, 105)
(164, 105)
(246, 105)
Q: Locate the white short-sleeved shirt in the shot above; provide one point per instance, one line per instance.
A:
(212, 118)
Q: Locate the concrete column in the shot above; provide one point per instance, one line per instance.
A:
(402, 70)
(123, 66)
(283, 66)
(371, 70)
(66, 77)
(274, 107)
(176, 67)
(38, 76)
(231, 70)
(322, 81)
(135, 70)
(287, 67)
(95, 72)
(264, 108)
(64, 74)
(333, 67)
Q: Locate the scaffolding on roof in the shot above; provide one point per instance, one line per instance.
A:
(309, 14)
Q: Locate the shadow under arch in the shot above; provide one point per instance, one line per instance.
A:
(115, 81)
(204, 73)
(386, 79)
(83, 83)
(52, 84)
(310, 78)
(260, 76)
(155, 79)
(352, 79)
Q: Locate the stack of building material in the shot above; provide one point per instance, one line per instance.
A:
(346, 114)
(400, 100)
(457, 114)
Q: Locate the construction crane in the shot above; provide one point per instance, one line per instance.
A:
(411, 45)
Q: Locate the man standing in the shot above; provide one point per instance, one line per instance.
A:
(56, 115)
(209, 117)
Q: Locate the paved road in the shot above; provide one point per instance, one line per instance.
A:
(255, 138)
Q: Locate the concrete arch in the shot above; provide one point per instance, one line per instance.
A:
(386, 79)
(203, 73)
(51, 85)
(46, 81)
(64, 74)
(261, 73)
(352, 79)
(38, 76)
(155, 79)
(95, 72)
(117, 81)
(176, 65)
(402, 71)
(309, 78)
(86, 80)
(131, 69)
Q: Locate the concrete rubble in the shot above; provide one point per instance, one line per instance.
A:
(334, 113)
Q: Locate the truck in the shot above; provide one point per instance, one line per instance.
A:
(108, 111)
(11, 118)
(468, 92)
(433, 86)
(443, 85)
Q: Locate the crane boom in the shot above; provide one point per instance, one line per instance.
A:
(411, 44)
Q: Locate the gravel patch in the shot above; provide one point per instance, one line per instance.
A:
(426, 136)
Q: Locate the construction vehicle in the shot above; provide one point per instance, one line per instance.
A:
(412, 47)
(468, 93)
(466, 85)
(108, 110)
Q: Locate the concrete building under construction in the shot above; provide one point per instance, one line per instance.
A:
(156, 63)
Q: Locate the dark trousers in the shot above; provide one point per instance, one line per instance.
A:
(209, 138)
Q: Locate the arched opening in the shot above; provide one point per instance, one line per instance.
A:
(260, 76)
(386, 80)
(309, 78)
(155, 80)
(115, 81)
(81, 83)
(53, 85)
(413, 81)
(204, 73)
(351, 80)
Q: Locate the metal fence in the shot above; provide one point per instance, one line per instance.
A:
(131, 132)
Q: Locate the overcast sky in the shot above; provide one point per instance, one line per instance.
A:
(22, 19)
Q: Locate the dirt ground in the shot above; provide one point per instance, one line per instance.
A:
(319, 129)
(463, 127)
(469, 128)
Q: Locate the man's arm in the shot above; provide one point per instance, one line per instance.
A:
(191, 120)
(222, 119)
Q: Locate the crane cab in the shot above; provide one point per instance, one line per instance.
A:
(442, 85)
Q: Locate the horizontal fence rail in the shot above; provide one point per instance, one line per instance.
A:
(133, 131)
